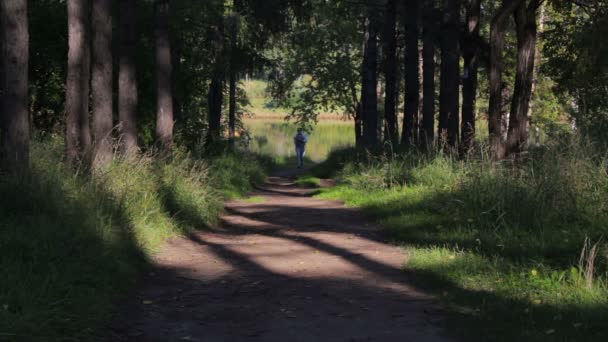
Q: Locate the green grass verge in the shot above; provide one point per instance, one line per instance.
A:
(499, 244)
(70, 245)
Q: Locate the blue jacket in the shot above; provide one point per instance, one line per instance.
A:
(300, 140)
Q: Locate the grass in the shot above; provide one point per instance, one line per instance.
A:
(255, 199)
(499, 243)
(72, 245)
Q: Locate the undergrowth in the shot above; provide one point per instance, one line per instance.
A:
(501, 243)
(71, 244)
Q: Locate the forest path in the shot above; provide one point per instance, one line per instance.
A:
(287, 268)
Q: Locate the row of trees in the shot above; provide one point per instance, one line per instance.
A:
(89, 120)
(448, 53)
(118, 76)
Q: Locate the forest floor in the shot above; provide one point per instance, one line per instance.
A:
(281, 266)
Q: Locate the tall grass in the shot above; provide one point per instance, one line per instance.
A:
(500, 242)
(70, 245)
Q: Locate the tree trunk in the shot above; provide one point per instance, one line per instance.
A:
(15, 122)
(216, 89)
(127, 80)
(391, 72)
(412, 74)
(358, 126)
(369, 96)
(234, 29)
(164, 97)
(428, 75)
(525, 22)
(102, 83)
(450, 75)
(77, 82)
(470, 54)
(497, 42)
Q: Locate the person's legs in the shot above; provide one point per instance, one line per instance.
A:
(300, 155)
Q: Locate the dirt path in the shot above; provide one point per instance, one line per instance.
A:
(290, 268)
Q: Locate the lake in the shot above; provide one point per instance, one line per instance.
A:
(274, 138)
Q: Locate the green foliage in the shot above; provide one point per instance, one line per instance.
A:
(71, 245)
(500, 242)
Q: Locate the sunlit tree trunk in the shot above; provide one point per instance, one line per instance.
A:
(127, 80)
(369, 96)
(428, 74)
(470, 54)
(164, 97)
(15, 55)
(391, 72)
(101, 82)
(449, 120)
(412, 74)
(525, 23)
(497, 43)
(77, 134)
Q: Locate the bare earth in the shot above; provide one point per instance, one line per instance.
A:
(290, 268)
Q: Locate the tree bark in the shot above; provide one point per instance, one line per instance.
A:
(369, 96)
(449, 120)
(164, 97)
(497, 42)
(428, 75)
(412, 74)
(391, 72)
(234, 29)
(77, 82)
(127, 80)
(101, 83)
(525, 22)
(470, 54)
(15, 121)
(216, 89)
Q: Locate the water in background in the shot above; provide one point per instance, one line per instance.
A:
(275, 138)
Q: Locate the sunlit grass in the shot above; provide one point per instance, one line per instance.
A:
(71, 244)
(499, 244)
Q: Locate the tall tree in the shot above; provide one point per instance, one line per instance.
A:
(470, 54)
(77, 134)
(391, 71)
(127, 80)
(164, 98)
(101, 82)
(412, 73)
(450, 75)
(234, 31)
(369, 82)
(428, 74)
(15, 118)
(497, 43)
(216, 89)
(525, 23)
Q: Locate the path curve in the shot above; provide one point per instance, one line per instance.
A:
(290, 268)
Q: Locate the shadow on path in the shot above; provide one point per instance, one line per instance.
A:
(291, 268)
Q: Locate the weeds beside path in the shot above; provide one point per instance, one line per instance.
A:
(282, 267)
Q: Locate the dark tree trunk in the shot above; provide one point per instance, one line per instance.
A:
(470, 53)
(449, 121)
(412, 74)
(77, 134)
(85, 137)
(391, 72)
(497, 42)
(101, 82)
(358, 127)
(369, 83)
(216, 89)
(15, 118)
(428, 75)
(525, 22)
(234, 29)
(164, 97)
(127, 80)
